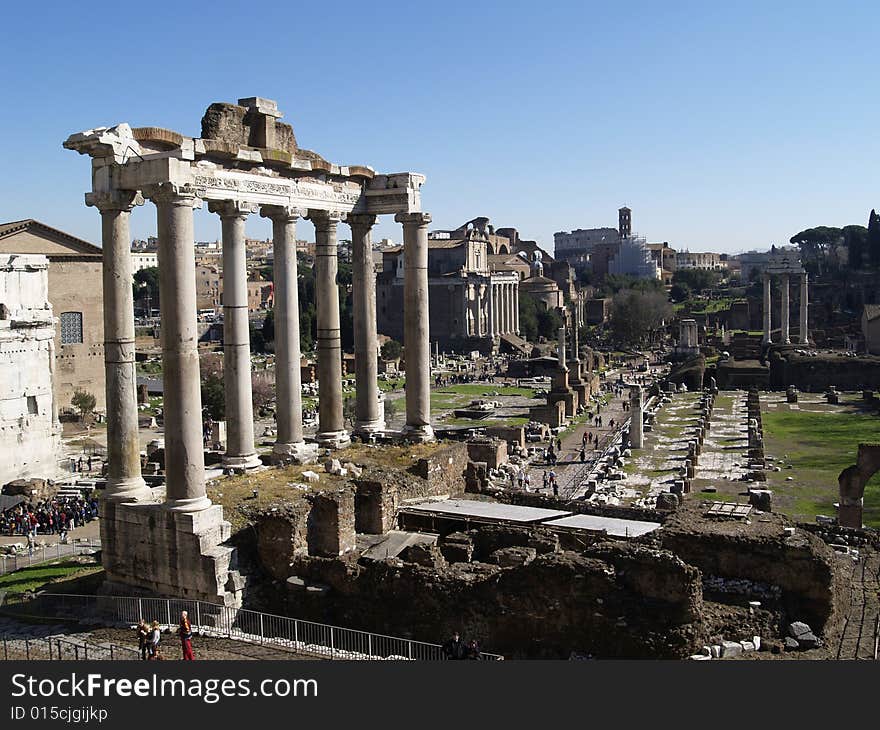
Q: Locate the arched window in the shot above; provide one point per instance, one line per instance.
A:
(71, 328)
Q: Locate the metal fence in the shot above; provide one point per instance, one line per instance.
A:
(41, 554)
(296, 635)
(53, 648)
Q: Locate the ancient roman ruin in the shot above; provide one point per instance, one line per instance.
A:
(246, 161)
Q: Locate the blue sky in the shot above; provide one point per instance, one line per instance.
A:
(724, 126)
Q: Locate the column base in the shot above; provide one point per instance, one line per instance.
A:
(299, 451)
(418, 434)
(192, 504)
(366, 428)
(767, 340)
(132, 489)
(249, 461)
(333, 439)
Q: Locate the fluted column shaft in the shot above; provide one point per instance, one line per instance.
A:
(331, 425)
(368, 418)
(493, 329)
(768, 311)
(289, 439)
(514, 290)
(124, 480)
(184, 454)
(416, 326)
(240, 451)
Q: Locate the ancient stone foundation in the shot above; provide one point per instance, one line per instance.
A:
(148, 549)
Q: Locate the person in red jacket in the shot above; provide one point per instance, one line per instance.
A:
(185, 632)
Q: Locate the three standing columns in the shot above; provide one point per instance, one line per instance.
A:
(804, 331)
(184, 454)
(289, 441)
(416, 326)
(124, 480)
(240, 450)
(368, 416)
(331, 424)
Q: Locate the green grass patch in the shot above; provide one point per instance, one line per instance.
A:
(818, 445)
(36, 576)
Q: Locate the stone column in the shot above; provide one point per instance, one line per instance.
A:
(804, 324)
(493, 330)
(124, 480)
(289, 441)
(416, 326)
(636, 420)
(184, 453)
(331, 425)
(240, 451)
(368, 418)
(479, 308)
(505, 308)
(785, 339)
(514, 290)
(561, 349)
(768, 311)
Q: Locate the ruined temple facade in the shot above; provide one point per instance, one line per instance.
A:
(245, 162)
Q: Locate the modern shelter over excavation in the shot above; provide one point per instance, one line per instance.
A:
(246, 161)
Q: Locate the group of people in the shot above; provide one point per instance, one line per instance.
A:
(150, 635)
(48, 517)
(458, 648)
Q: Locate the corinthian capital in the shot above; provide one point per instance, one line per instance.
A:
(413, 219)
(324, 219)
(124, 200)
(285, 213)
(232, 208)
(173, 194)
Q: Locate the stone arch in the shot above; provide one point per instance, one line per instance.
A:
(851, 483)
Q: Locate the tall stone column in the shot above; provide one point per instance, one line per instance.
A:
(505, 309)
(124, 480)
(515, 304)
(368, 418)
(416, 326)
(184, 452)
(479, 309)
(240, 451)
(493, 329)
(331, 424)
(636, 419)
(785, 339)
(768, 311)
(289, 441)
(804, 323)
(560, 349)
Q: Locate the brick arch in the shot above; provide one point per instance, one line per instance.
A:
(852, 481)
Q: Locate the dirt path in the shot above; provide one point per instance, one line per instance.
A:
(859, 638)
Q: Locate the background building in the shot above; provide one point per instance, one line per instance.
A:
(76, 295)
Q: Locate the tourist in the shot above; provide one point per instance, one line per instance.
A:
(153, 644)
(185, 633)
(473, 650)
(520, 478)
(545, 481)
(454, 648)
(143, 636)
(30, 542)
(527, 483)
(583, 455)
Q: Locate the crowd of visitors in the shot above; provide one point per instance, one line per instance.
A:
(48, 517)
(458, 648)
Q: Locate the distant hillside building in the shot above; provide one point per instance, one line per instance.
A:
(76, 289)
(706, 261)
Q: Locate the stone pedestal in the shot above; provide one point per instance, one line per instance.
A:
(146, 548)
(636, 428)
